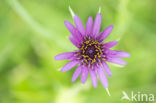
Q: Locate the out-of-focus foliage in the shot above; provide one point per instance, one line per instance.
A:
(32, 32)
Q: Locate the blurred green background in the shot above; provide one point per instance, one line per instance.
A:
(32, 32)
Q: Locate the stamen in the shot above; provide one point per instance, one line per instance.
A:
(90, 51)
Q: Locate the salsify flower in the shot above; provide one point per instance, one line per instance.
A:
(92, 53)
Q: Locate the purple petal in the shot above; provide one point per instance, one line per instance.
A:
(105, 33)
(111, 44)
(97, 24)
(118, 54)
(102, 77)
(84, 74)
(70, 27)
(76, 73)
(79, 24)
(116, 61)
(75, 33)
(78, 36)
(71, 38)
(63, 56)
(89, 26)
(106, 68)
(69, 65)
(93, 78)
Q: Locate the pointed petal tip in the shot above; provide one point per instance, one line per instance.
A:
(65, 55)
(111, 26)
(84, 74)
(98, 15)
(62, 70)
(107, 90)
(73, 41)
(65, 21)
(93, 76)
(95, 86)
(117, 61)
(125, 54)
(97, 24)
(111, 44)
(71, 11)
(99, 10)
(69, 65)
(124, 63)
(76, 16)
(79, 24)
(83, 81)
(102, 77)
(89, 26)
(103, 35)
(76, 73)
(67, 24)
(106, 69)
(90, 18)
(116, 42)
(55, 58)
(73, 80)
(109, 74)
(128, 55)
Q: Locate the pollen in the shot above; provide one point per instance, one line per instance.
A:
(90, 51)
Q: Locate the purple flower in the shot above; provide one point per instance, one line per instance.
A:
(92, 53)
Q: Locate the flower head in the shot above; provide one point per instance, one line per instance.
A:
(92, 53)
